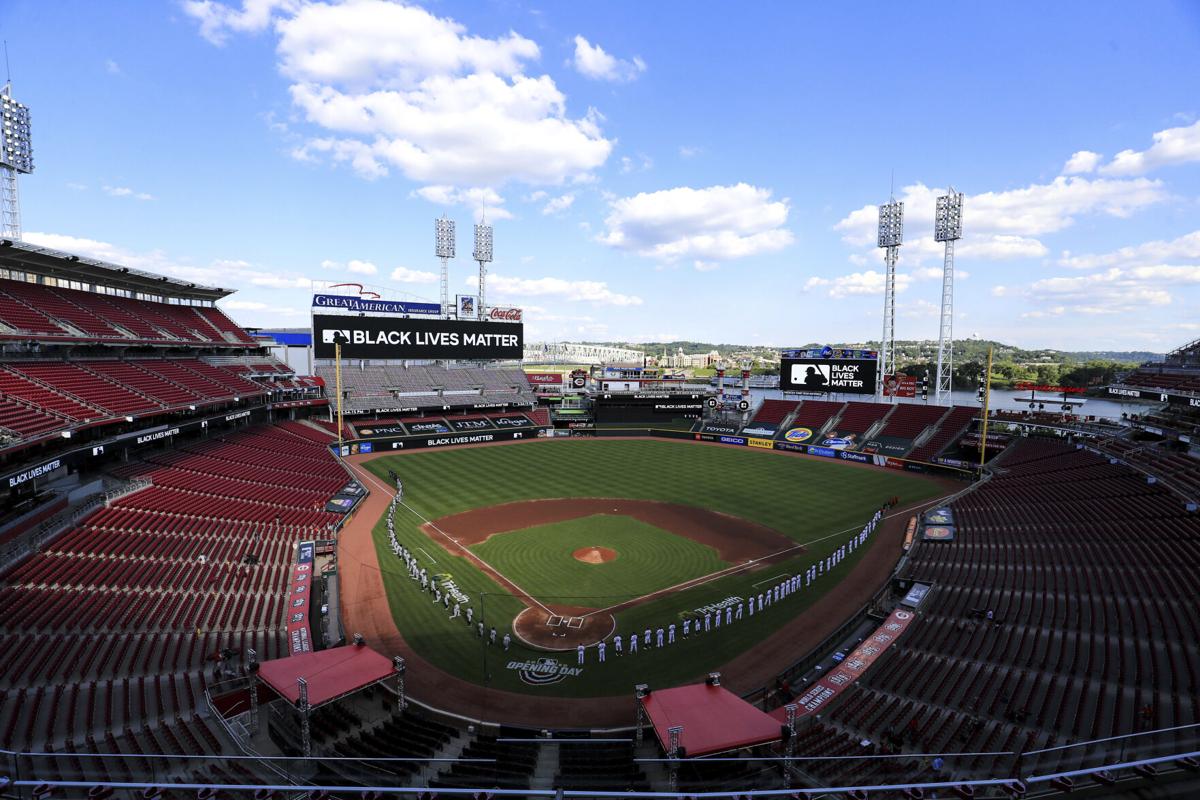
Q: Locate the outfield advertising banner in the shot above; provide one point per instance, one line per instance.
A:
(367, 306)
(888, 445)
(399, 337)
(798, 435)
(368, 429)
(761, 429)
(433, 426)
(719, 428)
(828, 375)
(765, 444)
(299, 638)
(938, 533)
(466, 425)
(511, 422)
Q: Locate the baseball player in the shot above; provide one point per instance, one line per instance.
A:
(752, 605)
(646, 639)
(687, 626)
(470, 613)
(456, 613)
(760, 601)
(633, 640)
(728, 614)
(480, 629)
(579, 653)
(600, 651)
(717, 621)
(671, 633)
(437, 595)
(617, 645)
(446, 601)
(707, 621)
(507, 641)
(492, 636)
(739, 610)
(424, 581)
(658, 638)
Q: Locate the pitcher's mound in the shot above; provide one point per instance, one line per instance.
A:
(594, 555)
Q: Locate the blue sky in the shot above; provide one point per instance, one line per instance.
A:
(654, 171)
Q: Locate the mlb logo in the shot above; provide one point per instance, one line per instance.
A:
(330, 336)
(811, 375)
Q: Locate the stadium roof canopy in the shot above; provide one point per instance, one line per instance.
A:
(25, 257)
(714, 720)
(331, 674)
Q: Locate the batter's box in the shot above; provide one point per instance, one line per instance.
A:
(554, 621)
(574, 622)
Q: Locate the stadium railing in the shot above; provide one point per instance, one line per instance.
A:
(1140, 757)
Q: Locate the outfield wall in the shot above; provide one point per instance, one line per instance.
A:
(404, 443)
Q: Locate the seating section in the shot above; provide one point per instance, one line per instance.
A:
(115, 624)
(952, 426)
(773, 412)
(815, 413)
(540, 417)
(859, 417)
(47, 312)
(375, 387)
(1089, 573)
(909, 420)
(43, 396)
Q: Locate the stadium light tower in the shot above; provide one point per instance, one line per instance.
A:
(891, 234)
(947, 227)
(16, 156)
(483, 254)
(443, 233)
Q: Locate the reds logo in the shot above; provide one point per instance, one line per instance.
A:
(505, 314)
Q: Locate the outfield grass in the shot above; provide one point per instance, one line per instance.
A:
(816, 503)
(540, 559)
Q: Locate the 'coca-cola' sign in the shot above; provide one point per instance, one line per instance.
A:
(504, 314)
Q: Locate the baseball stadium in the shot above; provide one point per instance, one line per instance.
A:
(402, 549)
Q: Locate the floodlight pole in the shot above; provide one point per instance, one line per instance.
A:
(443, 235)
(639, 691)
(16, 156)
(337, 373)
(890, 237)
(483, 254)
(947, 227)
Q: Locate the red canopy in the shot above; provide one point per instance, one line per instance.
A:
(713, 718)
(330, 674)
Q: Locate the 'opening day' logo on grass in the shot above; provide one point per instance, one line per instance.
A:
(543, 671)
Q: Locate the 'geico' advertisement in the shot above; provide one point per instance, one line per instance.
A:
(828, 375)
(379, 337)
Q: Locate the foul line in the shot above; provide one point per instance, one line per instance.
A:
(694, 582)
(504, 578)
(426, 552)
(768, 580)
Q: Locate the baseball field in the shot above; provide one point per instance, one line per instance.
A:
(560, 543)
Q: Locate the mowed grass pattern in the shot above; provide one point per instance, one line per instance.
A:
(541, 560)
(817, 503)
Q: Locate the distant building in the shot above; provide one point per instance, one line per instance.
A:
(579, 353)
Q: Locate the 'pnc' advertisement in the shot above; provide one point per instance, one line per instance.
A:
(395, 337)
(828, 375)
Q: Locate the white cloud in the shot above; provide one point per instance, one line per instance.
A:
(715, 224)
(1116, 290)
(869, 282)
(112, 67)
(920, 309)
(705, 266)
(406, 275)
(1186, 247)
(229, 273)
(483, 201)
(643, 163)
(1000, 225)
(689, 151)
(559, 204)
(353, 265)
(394, 86)
(1082, 161)
(1171, 146)
(217, 20)
(593, 62)
(77, 187)
(125, 191)
(596, 292)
